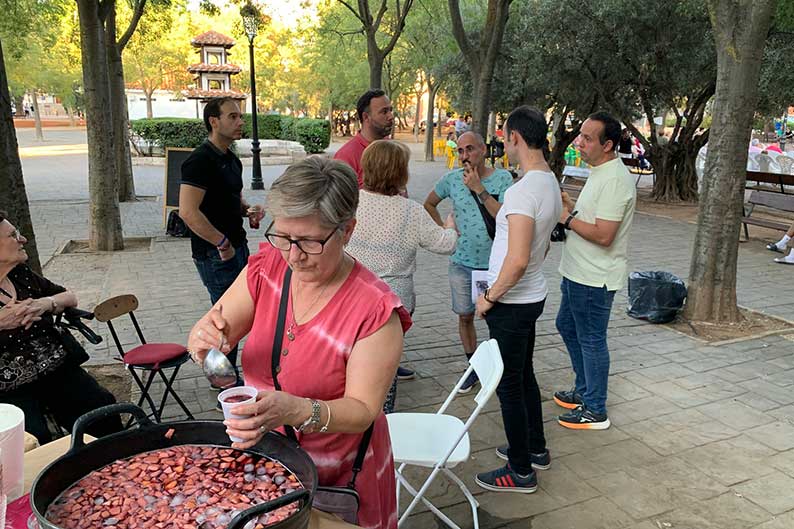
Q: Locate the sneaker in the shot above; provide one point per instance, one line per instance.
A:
(539, 461)
(568, 399)
(469, 383)
(505, 480)
(773, 247)
(583, 419)
(403, 373)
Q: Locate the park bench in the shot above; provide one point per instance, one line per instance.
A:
(635, 168)
(778, 180)
(770, 200)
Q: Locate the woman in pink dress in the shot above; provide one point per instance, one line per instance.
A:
(342, 342)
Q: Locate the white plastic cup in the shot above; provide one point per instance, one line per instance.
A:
(248, 392)
(12, 449)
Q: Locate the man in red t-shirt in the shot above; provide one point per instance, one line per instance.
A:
(376, 116)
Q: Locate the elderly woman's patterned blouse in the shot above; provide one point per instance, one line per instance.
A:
(27, 354)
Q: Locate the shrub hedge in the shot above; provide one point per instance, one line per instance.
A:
(313, 134)
(171, 132)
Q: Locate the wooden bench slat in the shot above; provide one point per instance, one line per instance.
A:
(765, 223)
(772, 200)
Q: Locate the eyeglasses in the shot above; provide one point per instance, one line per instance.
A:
(307, 246)
(16, 235)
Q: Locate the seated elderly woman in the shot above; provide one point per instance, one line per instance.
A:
(342, 340)
(37, 374)
(391, 228)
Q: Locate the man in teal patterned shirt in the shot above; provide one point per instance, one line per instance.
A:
(474, 183)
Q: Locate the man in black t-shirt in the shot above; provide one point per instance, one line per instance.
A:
(212, 205)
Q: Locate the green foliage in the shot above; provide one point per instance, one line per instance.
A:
(288, 128)
(313, 134)
(171, 132)
(268, 125)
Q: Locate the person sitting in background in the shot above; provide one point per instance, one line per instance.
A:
(37, 374)
(451, 140)
(787, 241)
(390, 228)
(343, 335)
(626, 144)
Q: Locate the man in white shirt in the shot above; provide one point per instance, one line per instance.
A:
(593, 268)
(516, 297)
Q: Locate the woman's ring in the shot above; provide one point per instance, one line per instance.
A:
(262, 429)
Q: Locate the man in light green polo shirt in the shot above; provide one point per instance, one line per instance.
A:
(593, 267)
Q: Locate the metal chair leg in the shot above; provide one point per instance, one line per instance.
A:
(169, 388)
(145, 391)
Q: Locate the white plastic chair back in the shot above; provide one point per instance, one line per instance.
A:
(786, 164)
(487, 363)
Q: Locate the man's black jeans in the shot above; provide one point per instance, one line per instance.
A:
(513, 327)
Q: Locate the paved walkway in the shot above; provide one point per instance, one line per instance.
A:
(702, 437)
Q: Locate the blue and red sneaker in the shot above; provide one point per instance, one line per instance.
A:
(504, 479)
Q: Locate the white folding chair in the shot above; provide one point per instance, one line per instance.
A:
(440, 441)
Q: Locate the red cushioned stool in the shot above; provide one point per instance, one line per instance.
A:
(153, 358)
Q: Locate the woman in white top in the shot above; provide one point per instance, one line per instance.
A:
(515, 299)
(390, 228)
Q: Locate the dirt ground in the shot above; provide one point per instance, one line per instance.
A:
(754, 324)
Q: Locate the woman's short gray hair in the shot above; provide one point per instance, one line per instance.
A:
(315, 185)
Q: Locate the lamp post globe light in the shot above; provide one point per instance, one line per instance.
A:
(250, 18)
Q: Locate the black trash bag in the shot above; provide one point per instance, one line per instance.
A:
(655, 296)
(175, 226)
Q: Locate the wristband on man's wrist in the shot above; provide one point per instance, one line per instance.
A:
(222, 245)
(483, 195)
(485, 295)
(569, 219)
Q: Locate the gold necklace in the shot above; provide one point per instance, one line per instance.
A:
(294, 322)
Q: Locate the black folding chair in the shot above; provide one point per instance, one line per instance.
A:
(153, 358)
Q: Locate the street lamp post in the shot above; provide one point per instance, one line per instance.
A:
(250, 22)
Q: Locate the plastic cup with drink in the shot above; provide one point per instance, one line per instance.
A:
(233, 397)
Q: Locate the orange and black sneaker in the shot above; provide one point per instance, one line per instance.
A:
(583, 419)
(569, 400)
(505, 479)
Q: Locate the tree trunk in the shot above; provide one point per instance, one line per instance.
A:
(34, 96)
(13, 197)
(432, 90)
(562, 139)
(19, 104)
(375, 59)
(739, 27)
(149, 109)
(120, 118)
(105, 219)
(481, 59)
(417, 116)
(491, 126)
(72, 120)
(674, 165)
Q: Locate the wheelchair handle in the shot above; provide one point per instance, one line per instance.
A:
(73, 321)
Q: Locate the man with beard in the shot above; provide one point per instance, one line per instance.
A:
(212, 205)
(376, 116)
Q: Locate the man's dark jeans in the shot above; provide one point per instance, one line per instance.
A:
(582, 322)
(219, 275)
(513, 327)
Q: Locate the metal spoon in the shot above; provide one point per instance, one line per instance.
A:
(218, 369)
